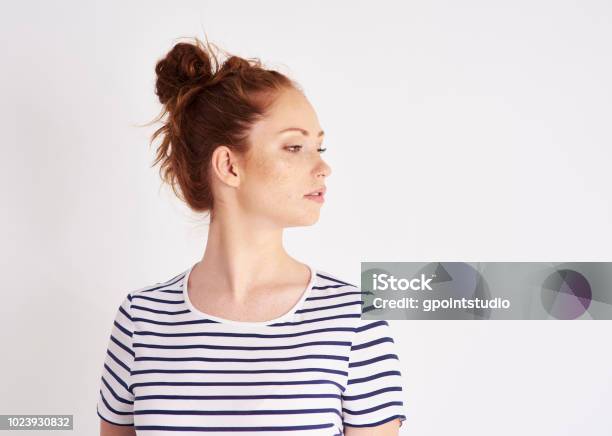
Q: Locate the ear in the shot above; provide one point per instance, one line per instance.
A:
(225, 165)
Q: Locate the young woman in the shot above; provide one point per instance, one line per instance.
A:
(247, 340)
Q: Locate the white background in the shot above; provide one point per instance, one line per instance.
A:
(456, 131)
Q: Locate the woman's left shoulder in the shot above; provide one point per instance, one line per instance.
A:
(334, 292)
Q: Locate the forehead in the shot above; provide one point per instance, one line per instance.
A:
(290, 109)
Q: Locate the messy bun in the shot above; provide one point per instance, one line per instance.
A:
(183, 66)
(207, 104)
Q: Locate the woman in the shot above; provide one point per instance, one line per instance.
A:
(248, 340)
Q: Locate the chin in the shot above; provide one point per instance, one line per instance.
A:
(305, 220)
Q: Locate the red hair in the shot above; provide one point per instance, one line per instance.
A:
(207, 105)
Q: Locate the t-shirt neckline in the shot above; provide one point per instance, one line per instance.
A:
(284, 317)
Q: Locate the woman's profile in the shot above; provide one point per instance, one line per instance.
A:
(247, 340)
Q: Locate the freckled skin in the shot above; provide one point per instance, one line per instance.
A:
(274, 179)
(256, 196)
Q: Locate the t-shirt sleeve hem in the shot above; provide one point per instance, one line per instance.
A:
(402, 418)
(111, 422)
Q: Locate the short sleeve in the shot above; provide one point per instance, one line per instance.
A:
(116, 399)
(373, 394)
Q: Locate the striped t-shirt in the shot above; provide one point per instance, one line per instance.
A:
(172, 368)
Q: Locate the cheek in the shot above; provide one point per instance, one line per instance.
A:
(275, 179)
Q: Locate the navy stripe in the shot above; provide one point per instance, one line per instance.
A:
(119, 362)
(371, 394)
(164, 312)
(373, 360)
(372, 409)
(121, 345)
(335, 306)
(159, 300)
(371, 343)
(266, 383)
(237, 412)
(245, 335)
(114, 394)
(112, 422)
(320, 288)
(323, 297)
(238, 371)
(234, 429)
(170, 282)
(123, 329)
(374, 424)
(262, 359)
(127, 315)
(116, 377)
(175, 323)
(109, 407)
(172, 291)
(228, 347)
(335, 280)
(371, 325)
(235, 397)
(208, 321)
(373, 377)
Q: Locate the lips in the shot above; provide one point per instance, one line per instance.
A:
(317, 195)
(318, 192)
(318, 198)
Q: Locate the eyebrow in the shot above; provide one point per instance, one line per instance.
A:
(303, 131)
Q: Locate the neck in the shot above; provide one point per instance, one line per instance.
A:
(242, 254)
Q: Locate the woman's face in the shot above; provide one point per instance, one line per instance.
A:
(284, 165)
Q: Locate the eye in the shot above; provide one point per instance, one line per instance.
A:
(296, 148)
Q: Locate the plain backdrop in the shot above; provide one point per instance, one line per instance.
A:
(456, 131)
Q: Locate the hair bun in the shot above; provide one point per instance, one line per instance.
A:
(186, 64)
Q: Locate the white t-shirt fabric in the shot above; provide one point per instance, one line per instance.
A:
(172, 368)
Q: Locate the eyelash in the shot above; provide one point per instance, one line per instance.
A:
(321, 150)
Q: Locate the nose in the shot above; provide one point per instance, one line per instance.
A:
(323, 169)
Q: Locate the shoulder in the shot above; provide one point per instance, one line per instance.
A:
(337, 292)
(332, 281)
(169, 289)
(356, 301)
